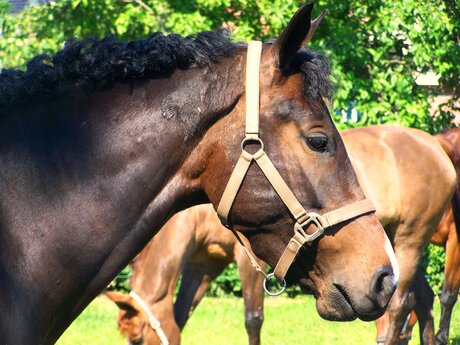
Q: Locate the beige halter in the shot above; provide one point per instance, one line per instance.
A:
(153, 321)
(303, 219)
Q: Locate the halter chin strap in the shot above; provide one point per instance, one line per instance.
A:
(302, 217)
(153, 321)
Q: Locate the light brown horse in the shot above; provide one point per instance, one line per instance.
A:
(411, 180)
(446, 235)
(194, 243)
(393, 165)
(103, 142)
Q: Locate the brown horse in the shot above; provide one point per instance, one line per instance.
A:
(446, 235)
(191, 242)
(394, 178)
(395, 166)
(103, 142)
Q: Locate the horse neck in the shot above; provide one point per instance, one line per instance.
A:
(179, 113)
(113, 177)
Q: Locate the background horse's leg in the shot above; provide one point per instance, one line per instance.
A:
(451, 285)
(382, 323)
(253, 294)
(195, 280)
(397, 314)
(409, 242)
(407, 335)
(424, 297)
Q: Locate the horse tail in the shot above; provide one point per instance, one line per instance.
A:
(454, 155)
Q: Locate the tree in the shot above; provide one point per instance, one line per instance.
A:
(376, 47)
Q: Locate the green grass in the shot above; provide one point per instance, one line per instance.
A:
(97, 325)
(219, 321)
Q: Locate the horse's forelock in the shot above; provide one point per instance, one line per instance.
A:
(316, 70)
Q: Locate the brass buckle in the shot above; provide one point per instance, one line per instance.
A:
(312, 218)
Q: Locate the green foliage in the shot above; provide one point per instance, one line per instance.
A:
(433, 261)
(228, 282)
(121, 282)
(377, 47)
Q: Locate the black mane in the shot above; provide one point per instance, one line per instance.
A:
(98, 63)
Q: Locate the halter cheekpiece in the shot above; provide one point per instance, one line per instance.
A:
(302, 217)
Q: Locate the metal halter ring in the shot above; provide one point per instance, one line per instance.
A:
(245, 140)
(277, 293)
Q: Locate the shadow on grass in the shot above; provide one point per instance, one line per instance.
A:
(454, 341)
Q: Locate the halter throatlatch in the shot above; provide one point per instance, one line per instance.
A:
(302, 217)
(153, 321)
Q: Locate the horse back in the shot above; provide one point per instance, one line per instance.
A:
(402, 170)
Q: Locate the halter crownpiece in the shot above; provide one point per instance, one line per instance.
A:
(302, 217)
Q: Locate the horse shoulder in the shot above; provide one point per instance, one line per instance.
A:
(375, 168)
(425, 172)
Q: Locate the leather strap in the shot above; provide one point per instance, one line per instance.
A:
(153, 321)
(233, 186)
(252, 88)
(325, 221)
(303, 219)
(251, 258)
(346, 212)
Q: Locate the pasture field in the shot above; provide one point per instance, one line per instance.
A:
(219, 321)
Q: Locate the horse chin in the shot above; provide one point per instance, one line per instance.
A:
(333, 304)
(138, 341)
(335, 307)
(338, 305)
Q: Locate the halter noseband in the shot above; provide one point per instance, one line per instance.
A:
(154, 323)
(302, 217)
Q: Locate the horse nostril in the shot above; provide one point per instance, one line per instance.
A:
(383, 286)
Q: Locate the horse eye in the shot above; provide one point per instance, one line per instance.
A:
(317, 143)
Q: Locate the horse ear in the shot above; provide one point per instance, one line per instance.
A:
(313, 25)
(297, 34)
(124, 302)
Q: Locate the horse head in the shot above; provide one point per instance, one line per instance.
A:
(351, 269)
(135, 324)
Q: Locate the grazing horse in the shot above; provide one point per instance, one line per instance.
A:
(395, 166)
(446, 235)
(103, 142)
(192, 242)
